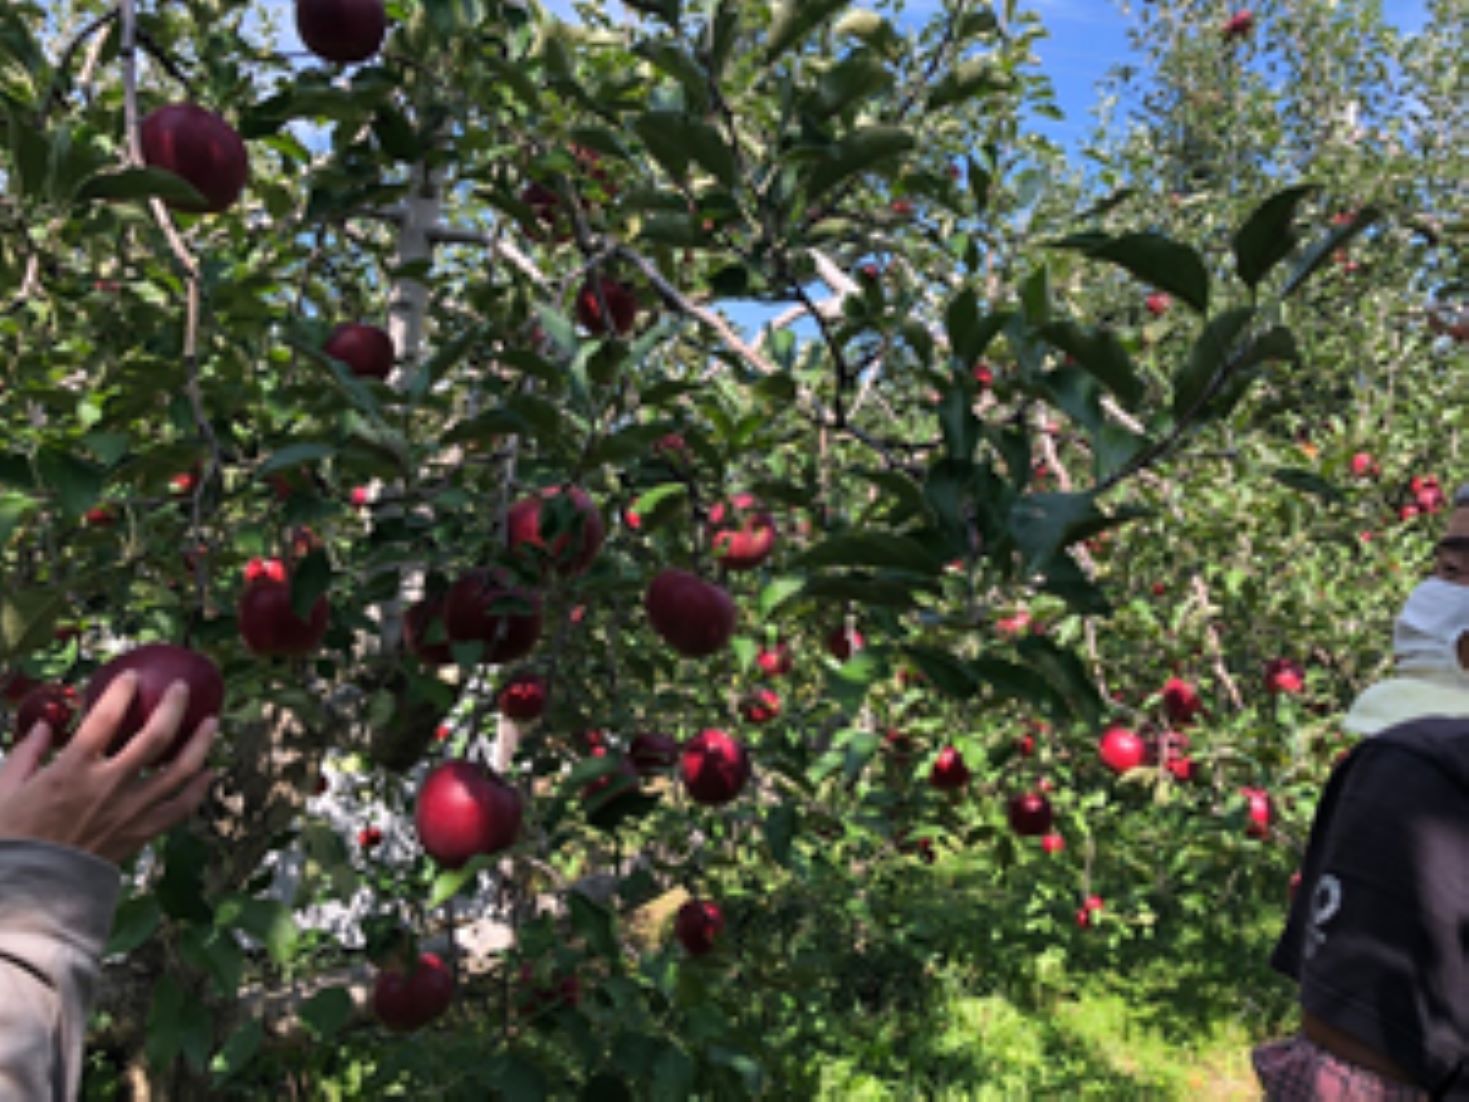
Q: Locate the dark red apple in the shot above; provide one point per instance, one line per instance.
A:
(760, 706)
(200, 147)
(15, 685)
(341, 30)
(523, 530)
(53, 704)
(1029, 814)
(486, 605)
(464, 809)
(949, 771)
(159, 665)
(621, 307)
(424, 633)
(841, 644)
(103, 516)
(523, 697)
(404, 1003)
(698, 925)
(695, 617)
(1238, 25)
(715, 767)
(1181, 701)
(1158, 303)
(365, 349)
(652, 753)
(741, 533)
(1053, 843)
(268, 624)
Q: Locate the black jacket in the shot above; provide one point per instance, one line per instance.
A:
(1378, 933)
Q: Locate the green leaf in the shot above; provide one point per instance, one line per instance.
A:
(310, 579)
(142, 183)
(326, 1012)
(268, 921)
(214, 953)
(1067, 675)
(238, 1052)
(1275, 344)
(875, 549)
(518, 1078)
(593, 922)
(1152, 258)
(947, 673)
(1268, 235)
(133, 924)
(1042, 524)
(794, 20)
(780, 831)
(1308, 482)
(27, 619)
(294, 455)
(14, 508)
(1201, 373)
(181, 888)
(1102, 355)
(177, 1026)
(966, 80)
(859, 151)
(970, 333)
(76, 483)
(1320, 252)
(777, 592)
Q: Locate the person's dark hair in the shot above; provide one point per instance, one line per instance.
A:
(1461, 496)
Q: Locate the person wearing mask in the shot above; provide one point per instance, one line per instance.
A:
(66, 826)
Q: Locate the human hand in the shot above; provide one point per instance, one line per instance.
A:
(109, 806)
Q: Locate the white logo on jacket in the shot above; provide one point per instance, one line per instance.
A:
(1325, 902)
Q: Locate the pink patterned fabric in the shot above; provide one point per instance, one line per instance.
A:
(1296, 1069)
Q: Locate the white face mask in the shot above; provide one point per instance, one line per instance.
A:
(1425, 636)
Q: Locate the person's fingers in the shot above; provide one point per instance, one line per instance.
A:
(161, 817)
(152, 742)
(183, 768)
(100, 725)
(25, 758)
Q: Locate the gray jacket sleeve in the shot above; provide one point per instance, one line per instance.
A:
(56, 909)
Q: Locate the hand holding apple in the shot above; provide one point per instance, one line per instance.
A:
(108, 805)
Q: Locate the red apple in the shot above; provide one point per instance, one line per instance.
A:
(741, 533)
(341, 30)
(775, 662)
(523, 530)
(545, 204)
(900, 746)
(54, 704)
(1158, 303)
(1053, 843)
(365, 349)
(949, 771)
(404, 1003)
(1181, 701)
(159, 665)
(422, 621)
(465, 809)
(698, 926)
(1257, 812)
(1363, 465)
(652, 753)
(360, 497)
(760, 706)
(268, 624)
(715, 767)
(1284, 675)
(621, 307)
(1121, 750)
(841, 643)
(1238, 25)
(695, 617)
(102, 516)
(523, 697)
(201, 148)
(1029, 814)
(486, 605)
(369, 838)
